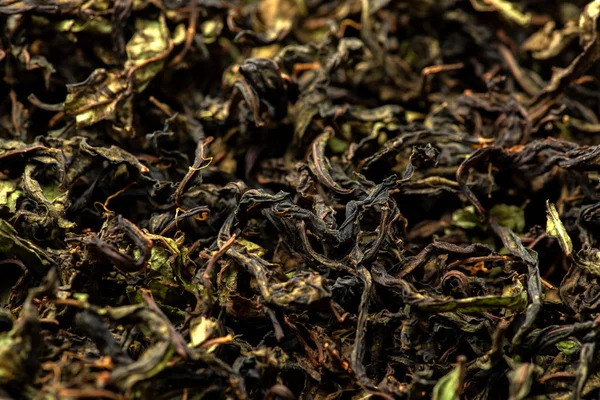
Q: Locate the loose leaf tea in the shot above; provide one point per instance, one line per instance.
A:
(299, 199)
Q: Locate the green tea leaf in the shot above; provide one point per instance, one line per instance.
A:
(569, 347)
(466, 218)
(509, 216)
(555, 228)
(450, 385)
(337, 145)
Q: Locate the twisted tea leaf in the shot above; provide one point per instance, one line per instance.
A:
(299, 199)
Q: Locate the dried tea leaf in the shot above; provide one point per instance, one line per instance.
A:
(319, 164)
(50, 197)
(156, 356)
(506, 8)
(33, 62)
(509, 216)
(514, 297)
(93, 24)
(147, 50)
(9, 195)
(549, 42)
(449, 387)
(96, 98)
(562, 78)
(276, 20)
(555, 228)
(201, 329)
(32, 256)
(259, 216)
(252, 247)
(302, 289)
(20, 346)
(569, 347)
(521, 379)
(466, 218)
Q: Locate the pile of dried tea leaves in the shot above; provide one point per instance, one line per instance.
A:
(299, 199)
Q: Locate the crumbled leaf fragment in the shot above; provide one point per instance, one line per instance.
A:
(569, 347)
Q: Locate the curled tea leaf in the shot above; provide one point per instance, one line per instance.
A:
(320, 165)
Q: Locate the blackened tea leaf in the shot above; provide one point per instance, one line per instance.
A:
(320, 165)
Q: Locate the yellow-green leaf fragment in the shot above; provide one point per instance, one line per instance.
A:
(252, 247)
(51, 191)
(449, 386)
(201, 329)
(466, 218)
(179, 33)
(569, 346)
(337, 145)
(211, 30)
(507, 9)
(555, 228)
(278, 15)
(147, 50)
(9, 194)
(159, 262)
(509, 216)
(95, 24)
(514, 298)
